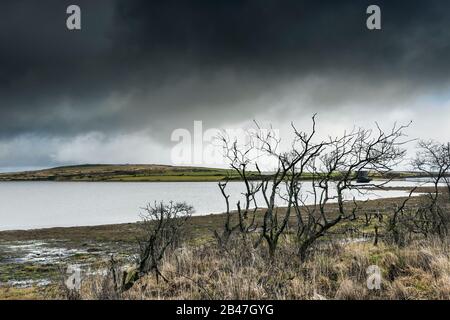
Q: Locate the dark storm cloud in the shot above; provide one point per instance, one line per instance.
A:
(156, 64)
(281, 36)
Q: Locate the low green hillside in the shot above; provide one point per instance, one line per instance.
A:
(102, 172)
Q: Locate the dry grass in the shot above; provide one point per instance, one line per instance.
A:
(11, 293)
(335, 271)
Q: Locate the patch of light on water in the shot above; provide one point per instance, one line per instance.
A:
(28, 283)
(36, 252)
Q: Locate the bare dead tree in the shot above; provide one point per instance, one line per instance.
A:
(334, 171)
(289, 173)
(228, 228)
(332, 164)
(162, 228)
(399, 223)
(240, 159)
(290, 169)
(433, 159)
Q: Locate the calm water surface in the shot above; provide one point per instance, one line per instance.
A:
(28, 205)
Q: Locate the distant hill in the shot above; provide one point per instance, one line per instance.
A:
(146, 173)
(125, 172)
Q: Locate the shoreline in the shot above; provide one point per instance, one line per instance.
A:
(153, 173)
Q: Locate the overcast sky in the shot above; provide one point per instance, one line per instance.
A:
(115, 91)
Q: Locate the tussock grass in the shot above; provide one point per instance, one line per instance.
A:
(335, 271)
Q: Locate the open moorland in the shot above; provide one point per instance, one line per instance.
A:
(106, 172)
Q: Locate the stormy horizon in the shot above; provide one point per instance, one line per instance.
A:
(116, 90)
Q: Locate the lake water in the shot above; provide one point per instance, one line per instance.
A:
(29, 205)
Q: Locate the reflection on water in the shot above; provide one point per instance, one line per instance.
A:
(27, 205)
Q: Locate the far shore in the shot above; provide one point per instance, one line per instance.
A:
(152, 173)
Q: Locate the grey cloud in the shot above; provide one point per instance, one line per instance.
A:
(158, 65)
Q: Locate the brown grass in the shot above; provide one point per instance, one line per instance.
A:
(336, 271)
